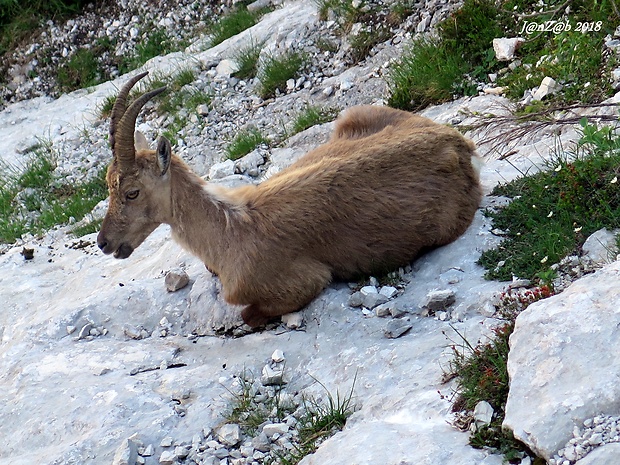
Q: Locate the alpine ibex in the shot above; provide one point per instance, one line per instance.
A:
(387, 185)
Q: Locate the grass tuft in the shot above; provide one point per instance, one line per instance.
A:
(19, 18)
(276, 70)
(80, 70)
(320, 421)
(250, 413)
(247, 60)
(311, 116)
(252, 405)
(232, 24)
(244, 142)
(425, 74)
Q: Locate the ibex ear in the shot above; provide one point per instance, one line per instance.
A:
(140, 141)
(164, 152)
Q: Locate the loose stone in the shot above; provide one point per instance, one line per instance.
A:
(356, 299)
(396, 328)
(176, 279)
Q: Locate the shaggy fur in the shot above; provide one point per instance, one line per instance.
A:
(386, 186)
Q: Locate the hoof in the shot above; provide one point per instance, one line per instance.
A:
(253, 317)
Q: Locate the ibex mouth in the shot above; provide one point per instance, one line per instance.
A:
(124, 251)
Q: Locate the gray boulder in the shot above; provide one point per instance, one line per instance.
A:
(563, 362)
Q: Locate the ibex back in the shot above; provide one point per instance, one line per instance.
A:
(387, 185)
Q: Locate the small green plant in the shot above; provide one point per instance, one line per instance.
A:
(461, 56)
(481, 373)
(311, 116)
(276, 70)
(363, 42)
(179, 96)
(158, 43)
(244, 142)
(232, 24)
(250, 413)
(343, 11)
(555, 210)
(247, 60)
(35, 199)
(184, 77)
(105, 107)
(320, 421)
(252, 404)
(172, 130)
(81, 70)
(400, 10)
(572, 59)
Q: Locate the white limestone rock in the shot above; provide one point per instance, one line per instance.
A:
(293, 320)
(438, 300)
(388, 291)
(370, 301)
(483, 414)
(127, 453)
(226, 68)
(275, 428)
(605, 454)
(396, 328)
(222, 169)
(563, 352)
(600, 248)
(505, 48)
(167, 457)
(356, 299)
(258, 5)
(176, 279)
(277, 356)
(548, 86)
(250, 162)
(229, 434)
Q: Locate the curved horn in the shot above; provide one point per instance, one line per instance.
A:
(118, 110)
(125, 151)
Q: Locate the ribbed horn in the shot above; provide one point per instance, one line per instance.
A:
(125, 151)
(120, 105)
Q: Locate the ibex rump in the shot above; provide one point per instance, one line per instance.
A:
(387, 185)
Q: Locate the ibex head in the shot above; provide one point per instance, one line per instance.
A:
(138, 182)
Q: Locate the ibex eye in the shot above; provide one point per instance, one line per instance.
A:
(133, 195)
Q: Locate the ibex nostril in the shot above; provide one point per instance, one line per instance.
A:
(102, 244)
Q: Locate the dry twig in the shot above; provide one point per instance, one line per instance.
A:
(513, 128)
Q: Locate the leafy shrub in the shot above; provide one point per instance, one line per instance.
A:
(554, 211)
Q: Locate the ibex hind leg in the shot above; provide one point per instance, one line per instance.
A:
(295, 288)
